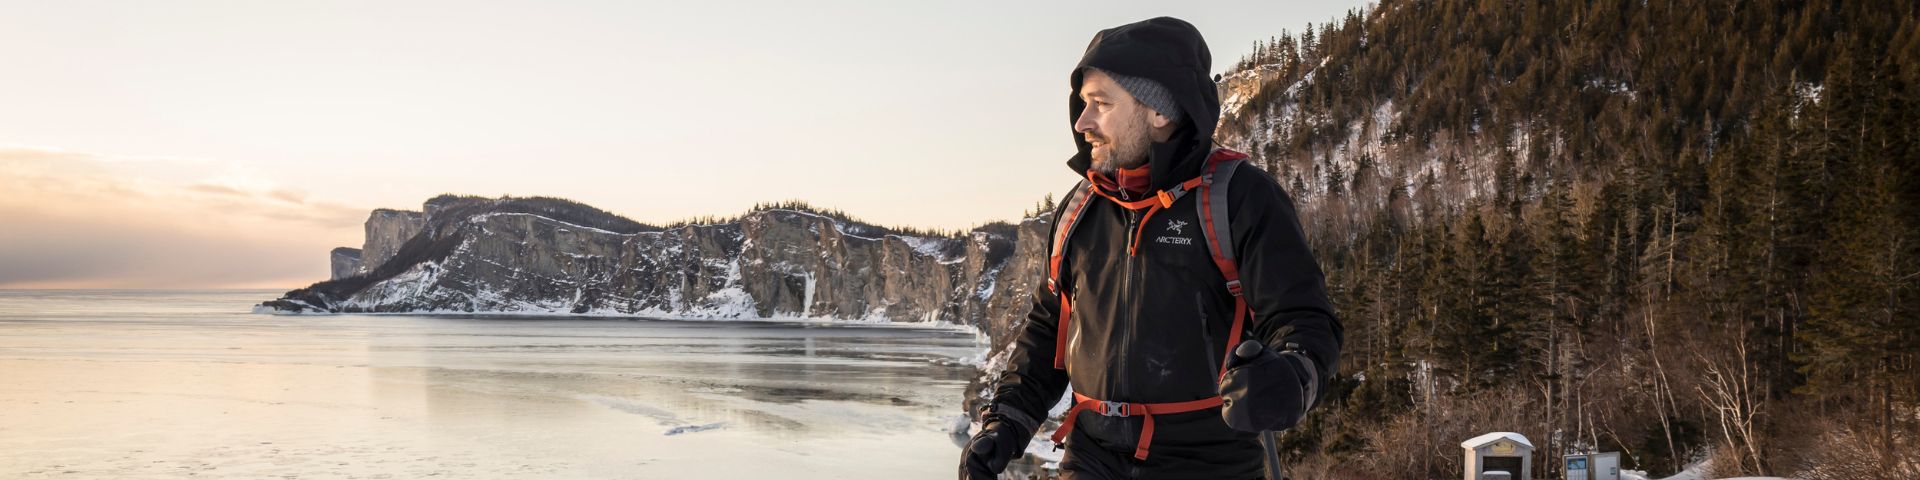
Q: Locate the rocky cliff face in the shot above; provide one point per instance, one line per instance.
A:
(386, 231)
(468, 254)
(346, 262)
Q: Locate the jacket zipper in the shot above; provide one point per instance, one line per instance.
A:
(1128, 317)
(1128, 314)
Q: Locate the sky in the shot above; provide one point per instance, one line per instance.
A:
(210, 144)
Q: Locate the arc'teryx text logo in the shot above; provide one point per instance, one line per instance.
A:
(1175, 226)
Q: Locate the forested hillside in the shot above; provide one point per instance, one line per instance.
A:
(1677, 230)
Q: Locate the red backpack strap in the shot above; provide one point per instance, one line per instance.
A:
(1077, 201)
(1214, 224)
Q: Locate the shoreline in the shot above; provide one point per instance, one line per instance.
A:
(935, 325)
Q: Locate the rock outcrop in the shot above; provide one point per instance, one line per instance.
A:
(542, 255)
(387, 230)
(346, 262)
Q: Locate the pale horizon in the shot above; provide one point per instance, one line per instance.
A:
(232, 145)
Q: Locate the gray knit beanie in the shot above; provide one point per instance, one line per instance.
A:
(1148, 92)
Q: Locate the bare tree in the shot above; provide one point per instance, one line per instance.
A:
(1729, 386)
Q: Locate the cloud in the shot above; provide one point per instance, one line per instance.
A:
(289, 195)
(216, 189)
(75, 219)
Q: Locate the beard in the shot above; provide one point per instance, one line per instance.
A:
(1123, 147)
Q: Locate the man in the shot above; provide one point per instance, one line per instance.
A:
(1150, 310)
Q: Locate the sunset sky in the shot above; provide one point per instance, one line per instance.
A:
(199, 144)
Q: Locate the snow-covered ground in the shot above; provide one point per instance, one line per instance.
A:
(1696, 471)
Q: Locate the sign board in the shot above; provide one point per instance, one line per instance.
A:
(1593, 466)
(1503, 448)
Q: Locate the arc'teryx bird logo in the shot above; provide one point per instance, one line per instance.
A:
(1178, 227)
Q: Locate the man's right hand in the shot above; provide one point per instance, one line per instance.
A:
(1264, 390)
(989, 451)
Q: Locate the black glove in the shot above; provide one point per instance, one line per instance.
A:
(989, 451)
(1266, 390)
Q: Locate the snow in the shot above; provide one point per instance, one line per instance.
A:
(731, 301)
(806, 307)
(486, 216)
(988, 283)
(1042, 445)
(1615, 87)
(412, 283)
(926, 246)
(1476, 442)
(1810, 91)
(1696, 471)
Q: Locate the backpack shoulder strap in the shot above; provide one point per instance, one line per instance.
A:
(1214, 224)
(1214, 212)
(1076, 202)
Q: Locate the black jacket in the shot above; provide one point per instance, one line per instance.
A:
(1151, 327)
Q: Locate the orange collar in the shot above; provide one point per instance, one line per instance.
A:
(1133, 181)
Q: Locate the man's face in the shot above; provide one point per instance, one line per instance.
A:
(1117, 125)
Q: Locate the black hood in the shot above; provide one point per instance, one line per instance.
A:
(1169, 51)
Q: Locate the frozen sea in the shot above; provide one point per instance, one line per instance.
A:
(191, 384)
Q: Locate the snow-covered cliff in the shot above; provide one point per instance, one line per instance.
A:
(549, 256)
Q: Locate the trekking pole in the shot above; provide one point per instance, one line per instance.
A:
(1269, 442)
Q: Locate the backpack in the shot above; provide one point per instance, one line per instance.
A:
(1211, 185)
